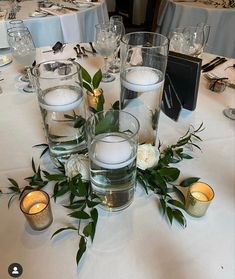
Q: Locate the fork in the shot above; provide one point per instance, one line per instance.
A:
(84, 52)
(211, 76)
(78, 54)
(80, 51)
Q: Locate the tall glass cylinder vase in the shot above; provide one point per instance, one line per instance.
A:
(143, 65)
(60, 96)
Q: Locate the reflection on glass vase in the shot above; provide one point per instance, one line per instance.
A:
(143, 65)
(59, 89)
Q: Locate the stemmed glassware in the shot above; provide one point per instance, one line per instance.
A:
(22, 50)
(106, 43)
(117, 22)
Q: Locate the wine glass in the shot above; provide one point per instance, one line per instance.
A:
(230, 113)
(117, 22)
(22, 50)
(106, 43)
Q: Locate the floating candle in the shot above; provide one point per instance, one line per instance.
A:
(37, 208)
(61, 99)
(142, 79)
(113, 152)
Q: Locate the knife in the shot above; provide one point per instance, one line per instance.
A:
(212, 66)
(209, 63)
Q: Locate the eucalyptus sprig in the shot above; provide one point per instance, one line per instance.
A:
(161, 178)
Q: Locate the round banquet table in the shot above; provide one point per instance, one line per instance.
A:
(222, 21)
(67, 26)
(136, 242)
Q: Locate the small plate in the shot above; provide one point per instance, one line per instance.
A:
(38, 14)
(4, 60)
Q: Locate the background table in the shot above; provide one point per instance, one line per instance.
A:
(70, 27)
(136, 242)
(222, 21)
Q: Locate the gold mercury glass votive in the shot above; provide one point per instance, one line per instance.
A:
(37, 210)
(198, 199)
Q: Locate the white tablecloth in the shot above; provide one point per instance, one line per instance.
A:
(46, 31)
(222, 21)
(137, 242)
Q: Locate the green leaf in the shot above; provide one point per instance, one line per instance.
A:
(87, 86)
(185, 156)
(176, 203)
(80, 215)
(88, 229)
(79, 121)
(76, 205)
(97, 79)
(92, 203)
(170, 174)
(169, 214)
(14, 183)
(62, 229)
(81, 250)
(61, 190)
(100, 104)
(163, 205)
(187, 182)
(33, 166)
(94, 215)
(14, 189)
(55, 177)
(85, 75)
(68, 116)
(11, 200)
(179, 217)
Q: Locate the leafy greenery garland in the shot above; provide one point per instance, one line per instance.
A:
(82, 202)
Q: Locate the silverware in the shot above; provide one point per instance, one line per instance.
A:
(84, 52)
(78, 54)
(209, 63)
(212, 66)
(211, 76)
(79, 50)
(92, 48)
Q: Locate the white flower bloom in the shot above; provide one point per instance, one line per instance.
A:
(147, 156)
(76, 164)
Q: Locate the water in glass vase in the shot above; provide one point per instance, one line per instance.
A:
(63, 114)
(141, 95)
(113, 170)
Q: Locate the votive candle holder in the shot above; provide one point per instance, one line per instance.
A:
(36, 208)
(198, 199)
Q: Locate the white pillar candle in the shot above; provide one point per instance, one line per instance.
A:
(113, 152)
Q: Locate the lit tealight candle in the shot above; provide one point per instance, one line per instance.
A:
(36, 208)
(199, 197)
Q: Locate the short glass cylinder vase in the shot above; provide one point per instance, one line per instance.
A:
(143, 65)
(60, 95)
(112, 138)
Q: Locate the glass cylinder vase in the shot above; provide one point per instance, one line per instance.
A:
(143, 65)
(60, 96)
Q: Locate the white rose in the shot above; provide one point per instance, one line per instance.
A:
(147, 156)
(76, 164)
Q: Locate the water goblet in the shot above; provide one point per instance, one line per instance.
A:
(119, 28)
(106, 43)
(23, 50)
